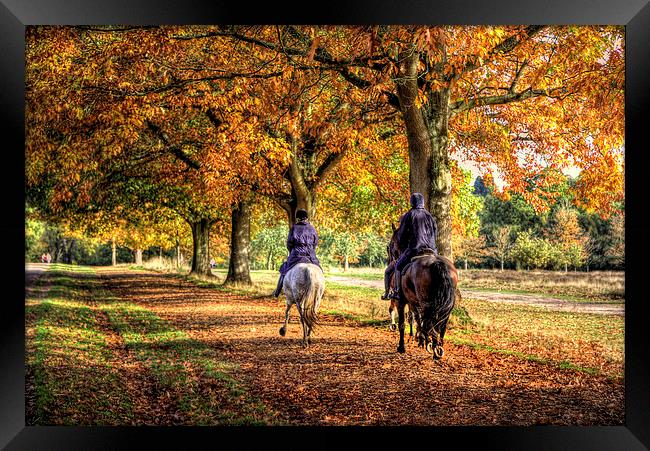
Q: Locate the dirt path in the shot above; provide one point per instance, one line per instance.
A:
(548, 302)
(352, 375)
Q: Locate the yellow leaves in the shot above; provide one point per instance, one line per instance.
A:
(420, 99)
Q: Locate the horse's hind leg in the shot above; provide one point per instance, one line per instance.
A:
(283, 329)
(438, 341)
(401, 326)
(391, 312)
(305, 333)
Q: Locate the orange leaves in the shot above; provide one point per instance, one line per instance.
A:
(600, 185)
(312, 49)
(580, 111)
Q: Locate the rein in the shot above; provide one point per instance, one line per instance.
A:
(421, 256)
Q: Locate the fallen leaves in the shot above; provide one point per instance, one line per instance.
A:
(350, 375)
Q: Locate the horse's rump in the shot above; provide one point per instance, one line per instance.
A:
(431, 284)
(304, 285)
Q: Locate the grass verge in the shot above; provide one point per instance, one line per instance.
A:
(77, 372)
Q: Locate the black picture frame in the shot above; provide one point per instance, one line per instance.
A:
(16, 14)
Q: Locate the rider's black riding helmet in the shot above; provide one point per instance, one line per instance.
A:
(301, 214)
(417, 200)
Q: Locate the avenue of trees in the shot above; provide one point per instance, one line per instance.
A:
(200, 142)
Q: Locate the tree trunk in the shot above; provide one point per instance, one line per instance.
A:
(68, 252)
(160, 255)
(113, 253)
(501, 265)
(427, 135)
(268, 261)
(138, 257)
(200, 240)
(64, 247)
(346, 263)
(465, 260)
(238, 267)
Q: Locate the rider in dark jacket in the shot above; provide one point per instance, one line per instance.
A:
(301, 243)
(417, 231)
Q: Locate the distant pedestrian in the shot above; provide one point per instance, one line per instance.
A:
(213, 264)
(48, 258)
(43, 258)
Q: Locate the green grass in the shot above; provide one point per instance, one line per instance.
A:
(70, 354)
(89, 391)
(564, 365)
(167, 352)
(606, 287)
(565, 297)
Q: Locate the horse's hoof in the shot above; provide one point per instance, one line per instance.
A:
(438, 352)
(430, 349)
(282, 331)
(401, 349)
(392, 327)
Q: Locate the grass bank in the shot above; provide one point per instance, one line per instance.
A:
(93, 359)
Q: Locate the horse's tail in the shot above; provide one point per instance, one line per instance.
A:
(442, 292)
(311, 299)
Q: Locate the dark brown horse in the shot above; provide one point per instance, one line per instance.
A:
(428, 286)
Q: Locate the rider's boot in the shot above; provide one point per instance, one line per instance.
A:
(398, 283)
(386, 294)
(278, 289)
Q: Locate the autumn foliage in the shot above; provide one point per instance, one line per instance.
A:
(202, 121)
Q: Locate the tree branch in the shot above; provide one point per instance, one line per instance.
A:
(464, 105)
(174, 150)
(328, 165)
(504, 47)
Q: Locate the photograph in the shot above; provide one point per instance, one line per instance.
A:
(345, 226)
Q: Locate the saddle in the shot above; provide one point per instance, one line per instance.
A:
(425, 252)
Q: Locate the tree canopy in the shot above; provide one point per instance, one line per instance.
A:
(202, 122)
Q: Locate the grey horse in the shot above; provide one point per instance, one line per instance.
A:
(304, 285)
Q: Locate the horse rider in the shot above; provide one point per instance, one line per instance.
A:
(417, 231)
(301, 243)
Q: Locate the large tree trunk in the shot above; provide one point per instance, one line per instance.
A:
(113, 252)
(200, 242)
(427, 135)
(300, 200)
(138, 257)
(302, 197)
(238, 267)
